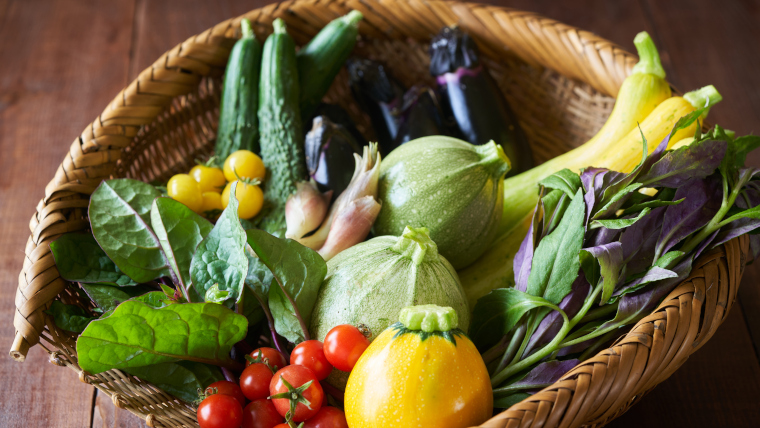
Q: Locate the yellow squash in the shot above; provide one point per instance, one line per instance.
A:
(420, 372)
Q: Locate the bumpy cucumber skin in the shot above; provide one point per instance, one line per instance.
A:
(323, 57)
(280, 127)
(461, 208)
(238, 112)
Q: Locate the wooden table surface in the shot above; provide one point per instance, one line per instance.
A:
(62, 61)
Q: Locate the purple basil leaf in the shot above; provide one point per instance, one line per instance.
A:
(544, 374)
(624, 181)
(610, 260)
(704, 244)
(602, 236)
(640, 239)
(637, 305)
(550, 325)
(655, 273)
(595, 180)
(524, 257)
(703, 200)
(697, 160)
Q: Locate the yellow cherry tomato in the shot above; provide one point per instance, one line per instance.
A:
(209, 178)
(185, 189)
(246, 164)
(212, 201)
(249, 196)
(411, 378)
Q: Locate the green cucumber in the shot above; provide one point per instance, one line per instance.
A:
(238, 120)
(448, 186)
(279, 126)
(323, 57)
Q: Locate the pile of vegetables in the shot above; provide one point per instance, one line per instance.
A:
(243, 268)
(604, 247)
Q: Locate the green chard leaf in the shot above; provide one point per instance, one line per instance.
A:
(137, 335)
(108, 297)
(555, 262)
(497, 312)
(618, 223)
(119, 216)
(79, 258)
(300, 270)
(220, 258)
(181, 379)
(69, 317)
(179, 230)
(215, 295)
(564, 180)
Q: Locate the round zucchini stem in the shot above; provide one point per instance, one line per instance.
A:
(649, 58)
(245, 27)
(429, 318)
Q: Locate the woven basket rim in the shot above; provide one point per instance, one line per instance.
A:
(547, 43)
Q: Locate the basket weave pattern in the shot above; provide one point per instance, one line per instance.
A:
(559, 80)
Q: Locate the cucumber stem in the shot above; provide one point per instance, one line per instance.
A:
(649, 58)
(245, 27)
(279, 26)
(703, 97)
(352, 18)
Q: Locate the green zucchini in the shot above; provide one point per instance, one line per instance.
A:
(323, 57)
(238, 120)
(279, 126)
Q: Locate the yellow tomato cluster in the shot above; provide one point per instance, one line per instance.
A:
(206, 189)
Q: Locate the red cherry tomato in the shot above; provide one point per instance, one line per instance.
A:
(282, 426)
(226, 387)
(297, 376)
(254, 382)
(310, 354)
(220, 411)
(275, 358)
(344, 344)
(327, 417)
(261, 414)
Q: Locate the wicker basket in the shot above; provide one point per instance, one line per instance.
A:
(560, 81)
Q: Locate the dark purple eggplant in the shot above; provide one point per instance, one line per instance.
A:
(339, 116)
(379, 95)
(330, 152)
(470, 96)
(421, 116)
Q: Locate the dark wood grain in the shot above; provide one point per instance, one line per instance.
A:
(62, 62)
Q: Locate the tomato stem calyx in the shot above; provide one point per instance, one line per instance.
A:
(295, 396)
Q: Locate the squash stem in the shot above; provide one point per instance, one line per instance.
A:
(649, 58)
(704, 97)
(279, 26)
